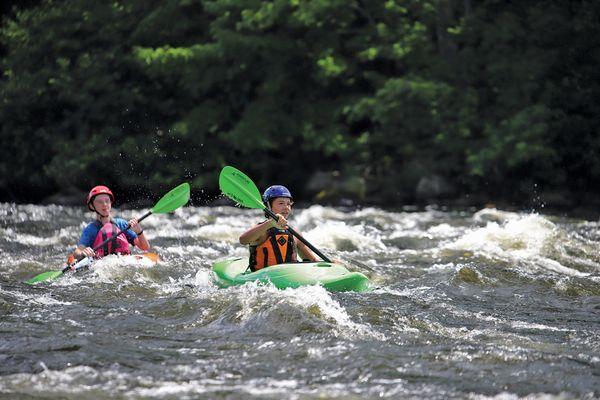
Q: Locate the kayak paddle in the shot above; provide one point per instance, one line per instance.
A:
(169, 202)
(239, 187)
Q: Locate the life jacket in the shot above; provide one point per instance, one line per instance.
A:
(118, 245)
(277, 249)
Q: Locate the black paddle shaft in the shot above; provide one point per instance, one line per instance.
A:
(296, 234)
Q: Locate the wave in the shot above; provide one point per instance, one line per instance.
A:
(529, 242)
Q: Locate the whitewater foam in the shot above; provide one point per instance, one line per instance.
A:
(526, 241)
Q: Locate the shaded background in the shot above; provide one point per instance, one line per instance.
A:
(377, 102)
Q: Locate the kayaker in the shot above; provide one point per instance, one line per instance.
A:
(270, 241)
(100, 200)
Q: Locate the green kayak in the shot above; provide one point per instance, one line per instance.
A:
(333, 277)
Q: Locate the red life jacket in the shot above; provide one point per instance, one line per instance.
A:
(279, 248)
(118, 245)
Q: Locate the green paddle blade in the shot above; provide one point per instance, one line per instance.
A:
(172, 200)
(239, 188)
(44, 276)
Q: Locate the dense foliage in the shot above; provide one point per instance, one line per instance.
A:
(388, 101)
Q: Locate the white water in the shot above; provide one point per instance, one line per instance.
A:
(486, 304)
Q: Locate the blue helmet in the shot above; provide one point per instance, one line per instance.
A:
(275, 191)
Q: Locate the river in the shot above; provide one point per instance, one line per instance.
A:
(479, 304)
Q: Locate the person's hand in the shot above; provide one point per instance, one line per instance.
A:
(281, 222)
(135, 226)
(89, 252)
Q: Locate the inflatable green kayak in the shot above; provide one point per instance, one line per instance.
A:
(333, 277)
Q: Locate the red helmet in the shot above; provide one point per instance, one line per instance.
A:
(97, 190)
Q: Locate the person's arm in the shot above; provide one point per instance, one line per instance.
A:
(257, 234)
(304, 252)
(140, 241)
(84, 249)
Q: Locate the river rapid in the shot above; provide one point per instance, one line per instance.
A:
(481, 304)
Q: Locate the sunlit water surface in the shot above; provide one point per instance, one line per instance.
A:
(479, 305)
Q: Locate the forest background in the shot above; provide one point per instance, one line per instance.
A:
(385, 102)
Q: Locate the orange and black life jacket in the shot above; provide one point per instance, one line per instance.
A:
(277, 249)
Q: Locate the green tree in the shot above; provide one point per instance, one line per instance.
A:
(493, 97)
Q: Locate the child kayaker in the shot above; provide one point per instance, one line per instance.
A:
(100, 200)
(270, 241)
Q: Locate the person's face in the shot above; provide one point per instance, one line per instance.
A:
(282, 205)
(102, 204)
